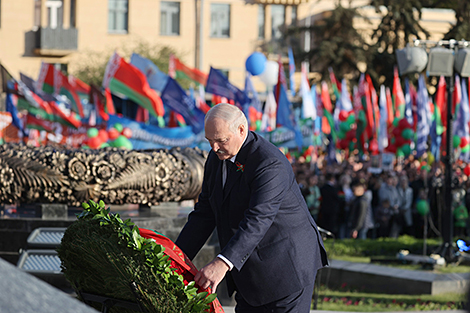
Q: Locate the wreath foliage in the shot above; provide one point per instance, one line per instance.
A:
(102, 254)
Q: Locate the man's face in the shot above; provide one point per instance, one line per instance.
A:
(224, 143)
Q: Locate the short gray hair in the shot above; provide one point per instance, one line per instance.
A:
(229, 113)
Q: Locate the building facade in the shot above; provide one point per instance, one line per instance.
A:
(217, 33)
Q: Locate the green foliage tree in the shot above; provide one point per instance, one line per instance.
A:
(461, 29)
(337, 44)
(399, 26)
(91, 66)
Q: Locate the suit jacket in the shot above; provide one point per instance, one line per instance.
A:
(263, 224)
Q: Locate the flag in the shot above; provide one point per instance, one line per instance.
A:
(364, 93)
(254, 113)
(155, 78)
(201, 100)
(126, 79)
(142, 115)
(281, 78)
(218, 84)
(176, 99)
(11, 108)
(346, 103)
(327, 120)
(457, 95)
(96, 97)
(390, 114)
(291, 71)
(308, 107)
(5, 76)
(374, 104)
(79, 86)
(47, 110)
(285, 115)
(397, 95)
(109, 102)
(176, 69)
(441, 100)
(33, 122)
(408, 106)
(53, 81)
(424, 117)
(335, 84)
(268, 120)
(382, 136)
(465, 119)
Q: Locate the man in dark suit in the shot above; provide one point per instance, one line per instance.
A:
(270, 246)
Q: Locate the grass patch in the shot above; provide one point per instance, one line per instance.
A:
(356, 301)
(362, 251)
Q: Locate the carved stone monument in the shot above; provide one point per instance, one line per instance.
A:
(73, 176)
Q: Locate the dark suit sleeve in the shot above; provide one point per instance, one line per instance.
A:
(201, 221)
(267, 188)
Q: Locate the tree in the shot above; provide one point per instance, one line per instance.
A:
(399, 26)
(461, 29)
(337, 44)
(91, 67)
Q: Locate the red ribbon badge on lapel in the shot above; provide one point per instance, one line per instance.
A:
(240, 167)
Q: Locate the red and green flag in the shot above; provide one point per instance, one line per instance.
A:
(124, 78)
(177, 69)
(335, 84)
(53, 81)
(328, 123)
(441, 100)
(398, 96)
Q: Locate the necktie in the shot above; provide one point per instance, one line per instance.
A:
(228, 168)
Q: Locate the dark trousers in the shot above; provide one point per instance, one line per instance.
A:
(298, 302)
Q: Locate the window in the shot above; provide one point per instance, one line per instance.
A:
(261, 20)
(118, 15)
(73, 17)
(278, 14)
(169, 18)
(220, 20)
(55, 13)
(294, 15)
(37, 14)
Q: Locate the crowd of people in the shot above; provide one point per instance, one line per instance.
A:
(351, 200)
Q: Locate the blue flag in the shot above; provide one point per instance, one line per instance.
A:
(462, 129)
(218, 84)
(251, 94)
(11, 108)
(408, 106)
(424, 117)
(156, 78)
(291, 71)
(176, 99)
(285, 115)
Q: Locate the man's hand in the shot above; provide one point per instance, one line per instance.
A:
(211, 274)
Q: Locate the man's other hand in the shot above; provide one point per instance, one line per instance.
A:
(212, 274)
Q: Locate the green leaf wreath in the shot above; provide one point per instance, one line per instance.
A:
(104, 255)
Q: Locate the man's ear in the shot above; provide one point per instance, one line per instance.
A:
(242, 129)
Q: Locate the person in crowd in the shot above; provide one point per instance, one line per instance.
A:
(270, 246)
(329, 207)
(345, 196)
(358, 210)
(389, 203)
(402, 220)
(312, 196)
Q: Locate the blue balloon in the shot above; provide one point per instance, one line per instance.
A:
(255, 63)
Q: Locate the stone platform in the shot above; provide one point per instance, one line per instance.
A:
(384, 279)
